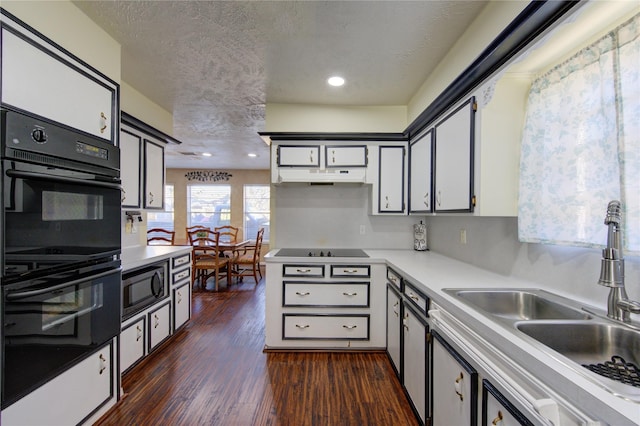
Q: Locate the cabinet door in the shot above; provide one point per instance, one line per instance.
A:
(394, 308)
(57, 86)
(455, 386)
(181, 305)
(69, 398)
(132, 344)
(130, 153)
(298, 156)
(153, 175)
(414, 366)
(346, 156)
(391, 179)
(159, 325)
(497, 410)
(420, 174)
(454, 145)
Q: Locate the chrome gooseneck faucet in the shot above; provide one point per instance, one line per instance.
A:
(619, 307)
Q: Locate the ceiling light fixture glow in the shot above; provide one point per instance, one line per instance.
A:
(206, 154)
(252, 155)
(335, 81)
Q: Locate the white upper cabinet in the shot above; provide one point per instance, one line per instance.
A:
(346, 156)
(391, 179)
(298, 156)
(454, 155)
(40, 78)
(130, 156)
(153, 175)
(420, 193)
(328, 162)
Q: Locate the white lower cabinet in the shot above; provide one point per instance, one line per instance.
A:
(132, 344)
(394, 311)
(159, 325)
(181, 305)
(70, 398)
(455, 386)
(497, 410)
(415, 356)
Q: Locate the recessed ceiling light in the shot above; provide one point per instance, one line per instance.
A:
(206, 154)
(335, 81)
(252, 155)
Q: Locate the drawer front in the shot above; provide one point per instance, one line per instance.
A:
(325, 327)
(326, 294)
(181, 260)
(417, 298)
(394, 278)
(357, 271)
(176, 277)
(303, 271)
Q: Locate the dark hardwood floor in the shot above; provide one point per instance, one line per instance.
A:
(214, 372)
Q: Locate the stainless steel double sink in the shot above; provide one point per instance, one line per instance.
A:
(578, 333)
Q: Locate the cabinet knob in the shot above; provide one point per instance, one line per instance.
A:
(498, 419)
(103, 364)
(458, 386)
(103, 122)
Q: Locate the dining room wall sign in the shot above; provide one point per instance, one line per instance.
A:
(208, 176)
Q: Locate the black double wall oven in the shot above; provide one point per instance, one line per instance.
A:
(61, 273)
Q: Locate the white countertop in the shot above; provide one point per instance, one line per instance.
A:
(433, 273)
(134, 257)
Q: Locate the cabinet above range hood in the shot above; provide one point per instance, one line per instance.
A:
(324, 158)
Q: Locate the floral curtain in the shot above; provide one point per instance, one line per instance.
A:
(581, 145)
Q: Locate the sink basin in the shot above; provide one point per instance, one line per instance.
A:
(519, 305)
(590, 343)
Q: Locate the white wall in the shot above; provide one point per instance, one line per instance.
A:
(324, 118)
(331, 216)
(492, 243)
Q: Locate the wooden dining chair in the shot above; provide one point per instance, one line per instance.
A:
(227, 233)
(247, 263)
(160, 236)
(208, 260)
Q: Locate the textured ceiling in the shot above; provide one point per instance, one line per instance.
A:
(215, 64)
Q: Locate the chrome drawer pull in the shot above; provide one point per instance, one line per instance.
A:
(349, 327)
(414, 297)
(138, 333)
(458, 386)
(299, 293)
(303, 271)
(497, 419)
(302, 326)
(350, 294)
(350, 271)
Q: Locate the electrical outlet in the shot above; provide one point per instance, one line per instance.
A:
(463, 236)
(363, 230)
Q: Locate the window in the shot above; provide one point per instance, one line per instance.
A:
(581, 145)
(162, 219)
(209, 205)
(256, 210)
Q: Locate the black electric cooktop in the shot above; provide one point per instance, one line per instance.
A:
(327, 252)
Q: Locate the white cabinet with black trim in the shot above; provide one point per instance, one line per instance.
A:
(325, 305)
(41, 78)
(181, 290)
(454, 138)
(388, 191)
(498, 410)
(328, 162)
(133, 343)
(420, 167)
(73, 397)
(159, 320)
(455, 386)
(143, 171)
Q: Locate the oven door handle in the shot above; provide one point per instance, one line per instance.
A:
(25, 294)
(36, 176)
